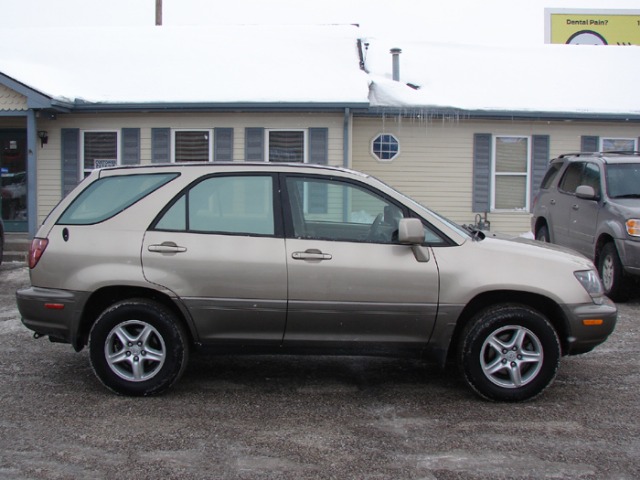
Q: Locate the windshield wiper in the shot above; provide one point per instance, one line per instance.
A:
(628, 195)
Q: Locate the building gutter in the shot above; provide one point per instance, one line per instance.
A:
(451, 113)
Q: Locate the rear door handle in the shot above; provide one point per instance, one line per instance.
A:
(576, 207)
(552, 201)
(311, 254)
(167, 247)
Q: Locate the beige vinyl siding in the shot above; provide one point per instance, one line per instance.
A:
(12, 100)
(49, 161)
(435, 164)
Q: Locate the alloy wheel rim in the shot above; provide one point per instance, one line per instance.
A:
(135, 351)
(511, 357)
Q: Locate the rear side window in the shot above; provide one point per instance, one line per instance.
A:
(551, 174)
(108, 196)
(241, 205)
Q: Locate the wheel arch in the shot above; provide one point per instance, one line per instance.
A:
(546, 306)
(541, 222)
(603, 239)
(101, 299)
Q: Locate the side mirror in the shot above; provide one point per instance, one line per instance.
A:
(586, 192)
(410, 231)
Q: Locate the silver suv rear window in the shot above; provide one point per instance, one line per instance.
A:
(108, 196)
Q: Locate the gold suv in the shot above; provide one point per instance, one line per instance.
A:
(143, 264)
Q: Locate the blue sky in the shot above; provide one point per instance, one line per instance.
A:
(458, 21)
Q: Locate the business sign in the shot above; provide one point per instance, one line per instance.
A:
(592, 27)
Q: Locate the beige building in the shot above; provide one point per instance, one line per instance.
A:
(470, 147)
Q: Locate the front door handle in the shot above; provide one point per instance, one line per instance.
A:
(311, 254)
(167, 247)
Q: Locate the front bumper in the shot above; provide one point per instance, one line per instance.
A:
(585, 329)
(630, 256)
(52, 313)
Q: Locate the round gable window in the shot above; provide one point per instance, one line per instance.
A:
(385, 147)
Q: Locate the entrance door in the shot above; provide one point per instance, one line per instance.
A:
(13, 177)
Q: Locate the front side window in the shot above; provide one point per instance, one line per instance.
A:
(224, 204)
(192, 145)
(618, 145)
(351, 213)
(572, 178)
(385, 147)
(99, 150)
(286, 146)
(109, 196)
(511, 173)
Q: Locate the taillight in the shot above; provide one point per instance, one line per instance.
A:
(38, 246)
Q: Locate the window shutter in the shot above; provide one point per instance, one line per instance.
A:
(130, 146)
(70, 158)
(319, 146)
(481, 172)
(589, 144)
(540, 151)
(160, 145)
(223, 145)
(254, 144)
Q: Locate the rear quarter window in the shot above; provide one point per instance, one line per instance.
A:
(108, 196)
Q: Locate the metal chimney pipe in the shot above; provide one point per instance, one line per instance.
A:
(158, 12)
(395, 57)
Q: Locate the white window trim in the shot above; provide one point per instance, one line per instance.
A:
(172, 146)
(83, 171)
(494, 174)
(305, 139)
(602, 139)
(373, 154)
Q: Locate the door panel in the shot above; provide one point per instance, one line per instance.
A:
(235, 287)
(359, 292)
(349, 279)
(219, 248)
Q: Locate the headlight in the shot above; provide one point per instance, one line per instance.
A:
(633, 227)
(590, 280)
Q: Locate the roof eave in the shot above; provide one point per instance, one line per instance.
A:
(89, 107)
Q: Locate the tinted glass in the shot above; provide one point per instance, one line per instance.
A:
(572, 178)
(550, 175)
(623, 180)
(109, 196)
(237, 205)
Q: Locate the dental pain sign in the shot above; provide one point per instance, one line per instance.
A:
(592, 27)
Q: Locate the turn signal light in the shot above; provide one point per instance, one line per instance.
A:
(590, 322)
(38, 246)
(633, 227)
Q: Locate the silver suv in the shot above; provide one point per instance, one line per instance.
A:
(145, 263)
(590, 202)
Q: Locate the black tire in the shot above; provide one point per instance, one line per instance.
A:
(138, 347)
(509, 352)
(543, 234)
(616, 287)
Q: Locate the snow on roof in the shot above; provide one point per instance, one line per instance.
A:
(546, 78)
(226, 64)
(315, 64)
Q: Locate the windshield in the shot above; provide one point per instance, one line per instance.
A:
(623, 180)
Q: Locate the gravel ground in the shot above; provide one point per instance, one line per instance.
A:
(269, 417)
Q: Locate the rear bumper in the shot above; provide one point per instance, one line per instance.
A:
(53, 313)
(585, 332)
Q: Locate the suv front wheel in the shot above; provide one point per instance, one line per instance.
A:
(138, 347)
(509, 352)
(612, 274)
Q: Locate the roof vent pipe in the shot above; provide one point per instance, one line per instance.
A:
(158, 13)
(395, 57)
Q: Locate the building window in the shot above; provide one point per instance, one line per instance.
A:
(385, 147)
(99, 149)
(192, 145)
(618, 145)
(286, 146)
(510, 173)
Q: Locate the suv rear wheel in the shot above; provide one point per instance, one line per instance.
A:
(543, 234)
(509, 352)
(612, 273)
(138, 347)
